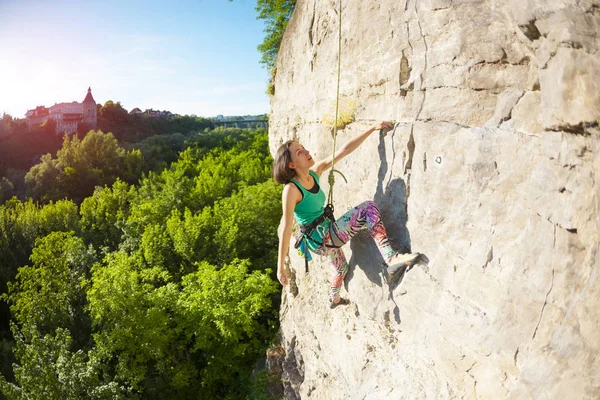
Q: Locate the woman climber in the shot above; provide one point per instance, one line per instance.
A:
(303, 198)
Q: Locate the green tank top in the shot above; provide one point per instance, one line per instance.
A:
(310, 208)
(312, 204)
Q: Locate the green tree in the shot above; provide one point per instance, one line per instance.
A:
(48, 294)
(21, 223)
(196, 180)
(103, 215)
(7, 189)
(220, 173)
(276, 14)
(192, 236)
(174, 340)
(132, 166)
(42, 180)
(161, 150)
(132, 307)
(226, 308)
(112, 117)
(169, 307)
(113, 112)
(17, 179)
(47, 368)
(224, 138)
(80, 166)
(157, 196)
(47, 301)
(246, 218)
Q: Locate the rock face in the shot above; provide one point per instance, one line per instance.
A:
(491, 172)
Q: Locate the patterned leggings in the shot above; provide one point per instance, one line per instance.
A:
(365, 215)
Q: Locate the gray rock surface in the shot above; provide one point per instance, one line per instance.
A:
(491, 172)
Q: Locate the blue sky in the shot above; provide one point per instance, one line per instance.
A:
(189, 57)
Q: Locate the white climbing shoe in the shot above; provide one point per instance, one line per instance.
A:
(401, 261)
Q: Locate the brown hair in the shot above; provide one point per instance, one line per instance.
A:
(282, 173)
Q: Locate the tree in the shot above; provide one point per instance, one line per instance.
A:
(276, 14)
(248, 217)
(174, 340)
(21, 223)
(10, 125)
(103, 215)
(7, 189)
(48, 294)
(113, 112)
(132, 309)
(226, 308)
(139, 292)
(49, 127)
(112, 117)
(47, 301)
(47, 368)
(80, 166)
(161, 150)
(42, 180)
(83, 128)
(4, 125)
(192, 236)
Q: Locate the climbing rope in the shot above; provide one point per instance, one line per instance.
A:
(302, 244)
(331, 178)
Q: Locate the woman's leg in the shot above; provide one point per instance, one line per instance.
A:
(365, 215)
(339, 268)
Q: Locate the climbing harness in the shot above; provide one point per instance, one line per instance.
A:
(307, 230)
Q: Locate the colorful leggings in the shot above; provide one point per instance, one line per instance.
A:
(365, 215)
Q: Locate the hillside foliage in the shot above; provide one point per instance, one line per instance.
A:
(125, 282)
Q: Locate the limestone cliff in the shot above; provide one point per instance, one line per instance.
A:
(491, 172)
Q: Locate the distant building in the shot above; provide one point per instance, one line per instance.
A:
(37, 116)
(68, 116)
(151, 113)
(157, 114)
(136, 111)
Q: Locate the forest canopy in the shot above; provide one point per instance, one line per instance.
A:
(127, 282)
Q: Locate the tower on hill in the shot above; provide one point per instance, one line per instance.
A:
(90, 112)
(68, 116)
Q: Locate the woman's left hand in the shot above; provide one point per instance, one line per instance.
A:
(383, 125)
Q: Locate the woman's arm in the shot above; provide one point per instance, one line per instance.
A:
(289, 198)
(349, 147)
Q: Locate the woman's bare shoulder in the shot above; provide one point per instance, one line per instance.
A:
(291, 192)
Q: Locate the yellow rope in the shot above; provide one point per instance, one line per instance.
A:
(331, 177)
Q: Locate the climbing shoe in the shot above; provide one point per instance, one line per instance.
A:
(342, 302)
(401, 262)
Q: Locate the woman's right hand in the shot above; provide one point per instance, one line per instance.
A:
(383, 125)
(282, 276)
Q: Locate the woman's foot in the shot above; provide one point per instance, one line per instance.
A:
(400, 261)
(340, 302)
